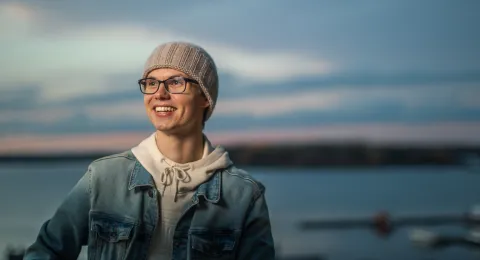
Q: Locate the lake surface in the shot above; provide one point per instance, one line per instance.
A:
(30, 193)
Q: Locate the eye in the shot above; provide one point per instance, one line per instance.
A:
(176, 82)
(151, 83)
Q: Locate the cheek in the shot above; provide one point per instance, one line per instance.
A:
(146, 100)
(184, 101)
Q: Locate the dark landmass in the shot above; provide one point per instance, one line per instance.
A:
(314, 155)
(19, 256)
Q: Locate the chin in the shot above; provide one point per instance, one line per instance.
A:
(168, 128)
(180, 130)
(163, 127)
(162, 123)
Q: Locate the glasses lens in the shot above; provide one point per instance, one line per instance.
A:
(148, 86)
(175, 85)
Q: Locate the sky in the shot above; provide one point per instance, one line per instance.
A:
(290, 71)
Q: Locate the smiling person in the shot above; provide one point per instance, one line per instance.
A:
(174, 195)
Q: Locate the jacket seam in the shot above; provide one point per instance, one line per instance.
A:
(90, 181)
(121, 155)
(257, 192)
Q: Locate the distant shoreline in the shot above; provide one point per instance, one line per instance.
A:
(348, 155)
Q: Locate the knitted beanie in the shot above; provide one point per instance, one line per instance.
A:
(190, 59)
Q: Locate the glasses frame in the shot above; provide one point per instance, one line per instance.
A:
(160, 82)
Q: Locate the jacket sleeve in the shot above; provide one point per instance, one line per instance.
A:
(257, 241)
(63, 235)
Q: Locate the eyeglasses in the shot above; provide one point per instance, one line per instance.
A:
(173, 85)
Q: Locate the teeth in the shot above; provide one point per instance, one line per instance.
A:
(165, 109)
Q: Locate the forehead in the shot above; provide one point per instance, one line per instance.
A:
(165, 73)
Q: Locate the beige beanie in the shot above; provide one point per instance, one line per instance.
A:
(191, 60)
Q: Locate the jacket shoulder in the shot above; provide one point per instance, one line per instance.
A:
(243, 179)
(123, 155)
(112, 164)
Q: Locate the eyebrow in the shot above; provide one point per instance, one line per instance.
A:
(172, 76)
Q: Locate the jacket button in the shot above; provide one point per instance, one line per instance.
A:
(150, 193)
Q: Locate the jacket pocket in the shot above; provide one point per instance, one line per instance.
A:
(111, 236)
(213, 244)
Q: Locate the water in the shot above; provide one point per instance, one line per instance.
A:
(29, 194)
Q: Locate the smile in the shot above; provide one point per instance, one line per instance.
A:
(165, 109)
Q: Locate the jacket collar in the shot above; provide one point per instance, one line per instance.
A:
(139, 177)
(210, 190)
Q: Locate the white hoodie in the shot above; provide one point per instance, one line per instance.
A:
(176, 183)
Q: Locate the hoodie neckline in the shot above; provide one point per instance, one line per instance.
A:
(207, 150)
(181, 177)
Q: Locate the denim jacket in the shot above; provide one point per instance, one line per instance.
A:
(113, 209)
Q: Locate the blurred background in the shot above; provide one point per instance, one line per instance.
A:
(341, 108)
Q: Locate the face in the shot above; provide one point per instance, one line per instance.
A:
(180, 113)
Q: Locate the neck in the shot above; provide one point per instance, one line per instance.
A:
(181, 149)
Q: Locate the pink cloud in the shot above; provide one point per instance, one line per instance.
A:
(73, 143)
(464, 133)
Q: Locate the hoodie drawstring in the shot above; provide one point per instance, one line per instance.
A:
(170, 173)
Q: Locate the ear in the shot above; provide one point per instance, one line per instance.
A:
(204, 102)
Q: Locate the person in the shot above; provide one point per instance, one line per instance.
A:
(172, 196)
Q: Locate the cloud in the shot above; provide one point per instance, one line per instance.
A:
(342, 104)
(31, 143)
(281, 103)
(386, 36)
(67, 60)
(443, 133)
(469, 99)
(123, 111)
(16, 18)
(61, 68)
(288, 103)
(437, 133)
(36, 116)
(354, 99)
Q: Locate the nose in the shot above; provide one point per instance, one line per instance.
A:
(162, 93)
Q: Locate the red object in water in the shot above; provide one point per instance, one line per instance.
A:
(383, 223)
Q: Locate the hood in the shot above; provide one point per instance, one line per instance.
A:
(184, 177)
